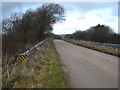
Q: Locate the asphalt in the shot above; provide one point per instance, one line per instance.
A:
(86, 68)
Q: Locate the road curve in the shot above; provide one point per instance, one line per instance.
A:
(86, 68)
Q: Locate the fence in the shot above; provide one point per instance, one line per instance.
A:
(23, 56)
(20, 58)
(10, 67)
(96, 43)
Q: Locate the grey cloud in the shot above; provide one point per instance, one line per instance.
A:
(84, 7)
(88, 6)
(12, 7)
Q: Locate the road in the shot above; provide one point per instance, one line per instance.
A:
(86, 68)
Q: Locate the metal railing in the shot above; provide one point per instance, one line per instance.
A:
(96, 43)
(15, 63)
(37, 45)
(23, 56)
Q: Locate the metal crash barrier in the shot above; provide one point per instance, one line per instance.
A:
(96, 43)
(24, 56)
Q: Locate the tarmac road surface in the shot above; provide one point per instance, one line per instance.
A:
(86, 68)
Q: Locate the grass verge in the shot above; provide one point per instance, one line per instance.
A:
(106, 49)
(41, 70)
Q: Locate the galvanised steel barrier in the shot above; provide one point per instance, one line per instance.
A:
(96, 43)
(23, 56)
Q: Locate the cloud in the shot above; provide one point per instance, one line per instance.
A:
(13, 7)
(91, 18)
(88, 6)
(79, 15)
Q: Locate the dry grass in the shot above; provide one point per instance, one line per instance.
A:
(101, 48)
(41, 70)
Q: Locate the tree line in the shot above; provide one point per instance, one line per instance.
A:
(98, 33)
(24, 29)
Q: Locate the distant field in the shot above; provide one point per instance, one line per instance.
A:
(101, 48)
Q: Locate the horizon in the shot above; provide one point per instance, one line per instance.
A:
(78, 15)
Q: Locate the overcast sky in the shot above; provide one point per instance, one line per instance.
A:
(79, 15)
